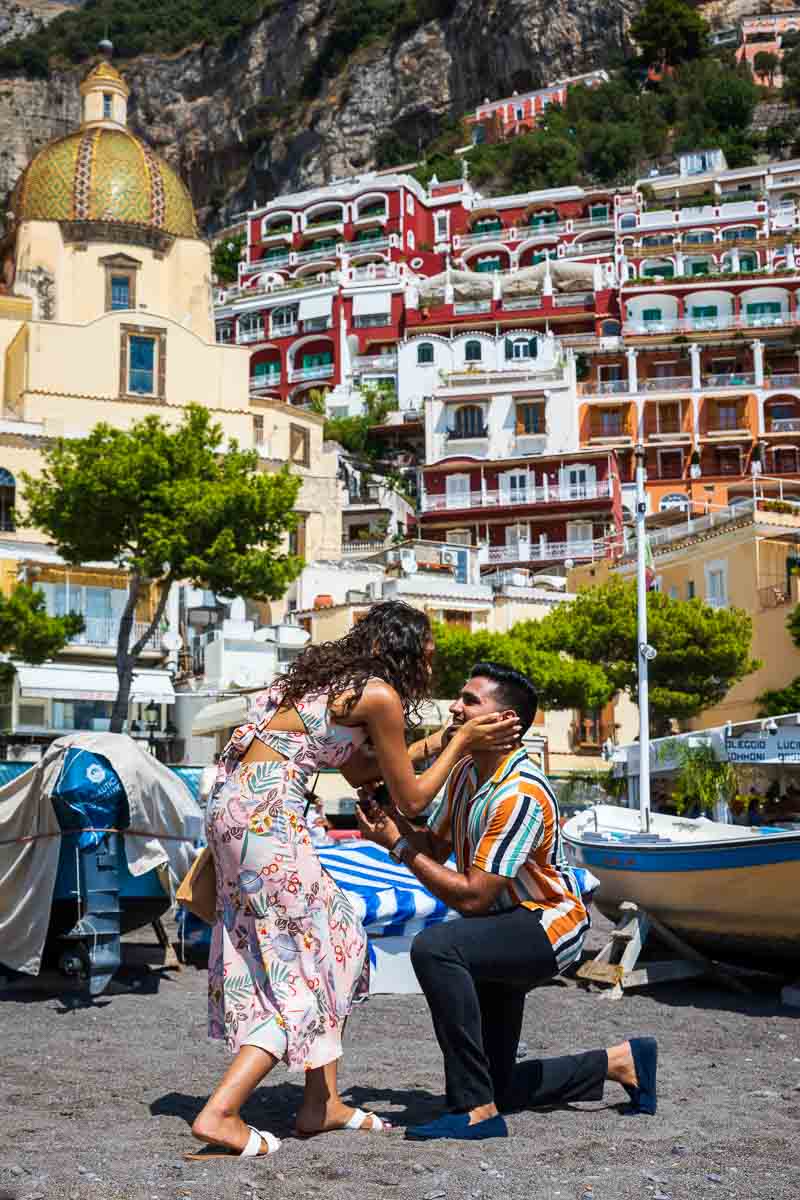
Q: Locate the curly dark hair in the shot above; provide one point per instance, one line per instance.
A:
(388, 643)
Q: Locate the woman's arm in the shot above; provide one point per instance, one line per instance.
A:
(379, 708)
(362, 767)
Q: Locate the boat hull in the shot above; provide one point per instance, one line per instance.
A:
(733, 901)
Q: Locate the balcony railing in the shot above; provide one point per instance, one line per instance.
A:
(244, 336)
(605, 387)
(666, 383)
(366, 244)
(375, 362)
(552, 494)
(102, 632)
(466, 435)
(323, 371)
(265, 382)
(372, 321)
(272, 260)
(547, 551)
(783, 425)
(574, 300)
(306, 256)
(701, 324)
(736, 379)
(512, 302)
(576, 248)
(782, 381)
(316, 324)
(286, 329)
(612, 432)
(472, 306)
(506, 234)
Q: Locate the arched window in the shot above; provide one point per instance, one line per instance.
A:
(674, 501)
(469, 421)
(424, 353)
(473, 352)
(522, 347)
(611, 328)
(8, 490)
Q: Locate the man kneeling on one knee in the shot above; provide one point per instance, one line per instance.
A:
(525, 924)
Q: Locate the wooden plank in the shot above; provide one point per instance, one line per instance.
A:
(661, 972)
(596, 972)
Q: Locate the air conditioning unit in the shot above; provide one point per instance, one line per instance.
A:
(408, 562)
(371, 591)
(449, 558)
(459, 537)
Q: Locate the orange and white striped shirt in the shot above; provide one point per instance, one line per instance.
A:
(510, 826)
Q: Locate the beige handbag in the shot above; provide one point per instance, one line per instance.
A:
(198, 888)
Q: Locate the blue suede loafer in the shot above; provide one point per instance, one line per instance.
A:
(645, 1060)
(456, 1125)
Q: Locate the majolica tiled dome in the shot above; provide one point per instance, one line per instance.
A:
(102, 172)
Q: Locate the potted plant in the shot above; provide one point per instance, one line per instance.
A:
(694, 465)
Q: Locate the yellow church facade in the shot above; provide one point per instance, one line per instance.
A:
(106, 315)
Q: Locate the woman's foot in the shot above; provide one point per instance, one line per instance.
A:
(333, 1115)
(229, 1132)
(634, 1064)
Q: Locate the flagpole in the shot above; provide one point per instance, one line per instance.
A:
(644, 651)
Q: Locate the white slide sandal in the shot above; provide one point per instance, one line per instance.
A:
(359, 1118)
(253, 1148)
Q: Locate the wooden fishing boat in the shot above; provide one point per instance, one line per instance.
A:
(729, 890)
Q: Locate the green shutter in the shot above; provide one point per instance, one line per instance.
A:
(509, 348)
(705, 310)
(651, 314)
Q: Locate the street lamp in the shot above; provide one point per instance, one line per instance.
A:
(152, 717)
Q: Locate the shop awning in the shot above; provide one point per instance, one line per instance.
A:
(312, 307)
(220, 716)
(57, 682)
(366, 303)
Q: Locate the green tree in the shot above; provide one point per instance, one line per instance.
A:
(27, 632)
(765, 64)
(165, 504)
(669, 32)
(354, 434)
(790, 70)
(583, 652)
(225, 258)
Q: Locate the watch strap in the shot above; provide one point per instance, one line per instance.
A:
(398, 849)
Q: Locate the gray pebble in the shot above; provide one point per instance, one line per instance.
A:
(484, 1166)
(17, 1171)
(82, 1171)
(659, 1195)
(418, 1168)
(714, 1178)
(35, 1196)
(766, 1094)
(434, 1196)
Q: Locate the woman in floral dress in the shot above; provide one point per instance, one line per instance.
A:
(288, 951)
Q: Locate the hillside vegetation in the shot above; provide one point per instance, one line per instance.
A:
(166, 26)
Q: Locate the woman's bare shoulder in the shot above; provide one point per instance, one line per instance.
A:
(377, 698)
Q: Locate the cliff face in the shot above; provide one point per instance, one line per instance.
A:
(238, 128)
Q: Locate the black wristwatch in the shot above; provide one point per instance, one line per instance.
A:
(398, 849)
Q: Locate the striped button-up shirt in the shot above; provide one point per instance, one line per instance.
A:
(509, 826)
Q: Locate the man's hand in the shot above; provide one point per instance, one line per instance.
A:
(375, 824)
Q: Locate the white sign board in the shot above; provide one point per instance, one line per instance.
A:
(778, 747)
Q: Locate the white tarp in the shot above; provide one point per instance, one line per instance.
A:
(312, 307)
(367, 303)
(30, 836)
(60, 682)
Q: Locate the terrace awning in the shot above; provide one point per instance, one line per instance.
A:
(56, 682)
(315, 306)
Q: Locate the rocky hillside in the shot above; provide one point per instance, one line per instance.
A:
(245, 122)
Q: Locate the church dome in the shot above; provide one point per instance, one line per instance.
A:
(102, 172)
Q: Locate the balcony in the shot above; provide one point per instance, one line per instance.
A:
(547, 551)
(316, 324)
(514, 302)
(101, 634)
(604, 387)
(610, 433)
(274, 262)
(519, 497)
(574, 300)
(506, 234)
(737, 379)
(333, 221)
(307, 256)
(322, 371)
(666, 383)
(708, 324)
(372, 321)
(462, 308)
(366, 245)
(541, 230)
(783, 425)
(467, 435)
(374, 362)
(265, 383)
(579, 248)
(286, 329)
(782, 381)
(247, 336)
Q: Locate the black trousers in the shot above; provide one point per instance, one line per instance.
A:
(475, 973)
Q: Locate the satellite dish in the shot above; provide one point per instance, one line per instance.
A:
(171, 641)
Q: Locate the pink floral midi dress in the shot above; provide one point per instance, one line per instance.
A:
(288, 951)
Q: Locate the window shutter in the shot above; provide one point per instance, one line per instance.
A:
(534, 346)
(509, 348)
